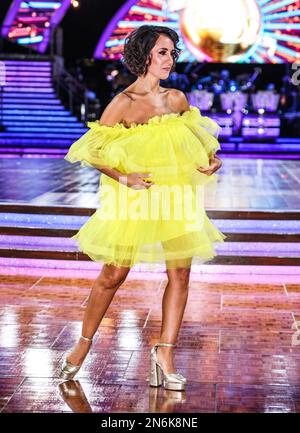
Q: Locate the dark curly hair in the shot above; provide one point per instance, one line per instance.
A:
(140, 42)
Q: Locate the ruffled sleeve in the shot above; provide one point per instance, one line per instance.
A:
(100, 146)
(206, 129)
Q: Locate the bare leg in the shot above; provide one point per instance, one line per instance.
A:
(104, 288)
(173, 306)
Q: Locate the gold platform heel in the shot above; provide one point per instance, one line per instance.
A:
(69, 370)
(173, 381)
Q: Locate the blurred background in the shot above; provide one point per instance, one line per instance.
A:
(238, 65)
(61, 64)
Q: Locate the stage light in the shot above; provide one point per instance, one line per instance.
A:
(30, 40)
(261, 110)
(75, 3)
(40, 5)
(260, 130)
(91, 95)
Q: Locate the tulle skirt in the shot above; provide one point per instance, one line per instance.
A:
(166, 223)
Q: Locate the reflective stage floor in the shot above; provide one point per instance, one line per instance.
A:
(239, 344)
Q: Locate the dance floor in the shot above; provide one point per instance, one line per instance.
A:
(244, 183)
(239, 344)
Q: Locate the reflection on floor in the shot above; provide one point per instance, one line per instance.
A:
(239, 347)
(243, 183)
(239, 344)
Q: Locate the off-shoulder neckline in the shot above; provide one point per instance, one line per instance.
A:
(153, 120)
(157, 117)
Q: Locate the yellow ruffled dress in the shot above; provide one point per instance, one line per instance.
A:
(165, 223)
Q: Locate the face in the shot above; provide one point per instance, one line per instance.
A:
(161, 60)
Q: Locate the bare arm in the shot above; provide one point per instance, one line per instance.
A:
(181, 104)
(178, 101)
(113, 114)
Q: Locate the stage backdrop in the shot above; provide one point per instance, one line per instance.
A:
(244, 31)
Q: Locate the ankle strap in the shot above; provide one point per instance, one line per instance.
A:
(85, 338)
(165, 344)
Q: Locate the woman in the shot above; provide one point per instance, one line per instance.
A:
(148, 137)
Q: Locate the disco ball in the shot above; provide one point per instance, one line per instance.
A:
(219, 30)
